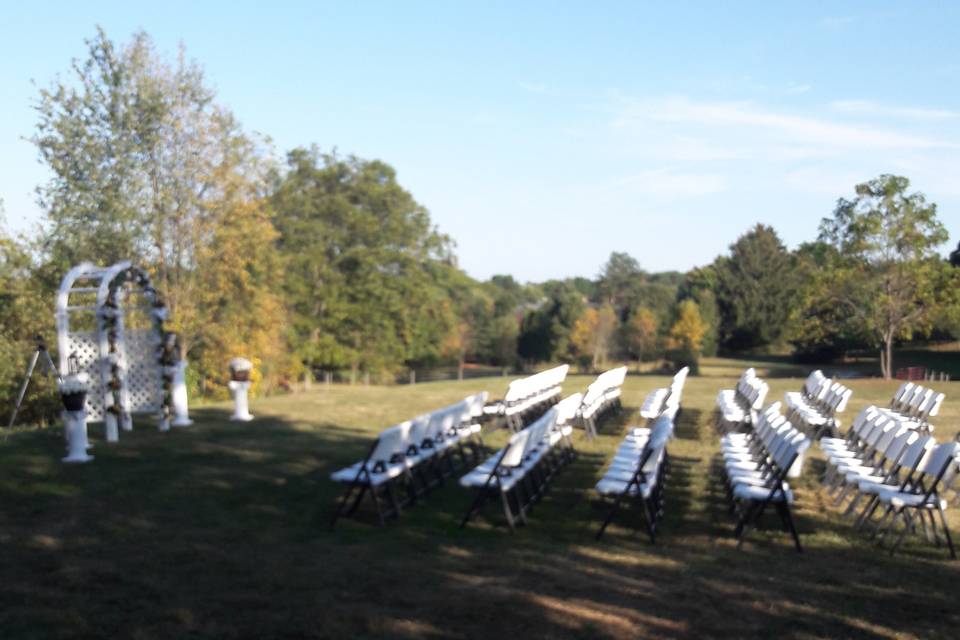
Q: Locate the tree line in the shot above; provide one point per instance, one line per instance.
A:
(323, 262)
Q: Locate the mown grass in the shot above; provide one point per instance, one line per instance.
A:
(220, 531)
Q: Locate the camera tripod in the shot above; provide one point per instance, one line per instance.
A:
(41, 352)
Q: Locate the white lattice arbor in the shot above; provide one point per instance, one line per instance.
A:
(98, 333)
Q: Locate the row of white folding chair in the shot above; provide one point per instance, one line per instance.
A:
(557, 422)
(532, 394)
(879, 450)
(602, 395)
(819, 414)
(737, 406)
(756, 466)
(637, 472)
(814, 389)
(900, 471)
(520, 471)
(771, 416)
(417, 453)
(915, 404)
(655, 402)
(603, 392)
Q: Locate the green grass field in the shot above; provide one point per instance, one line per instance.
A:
(220, 531)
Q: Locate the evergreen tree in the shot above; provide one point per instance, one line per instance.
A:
(756, 290)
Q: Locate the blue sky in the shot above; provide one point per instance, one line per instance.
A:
(543, 136)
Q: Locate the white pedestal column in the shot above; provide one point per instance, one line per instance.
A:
(76, 428)
(241, 410)
(112, 429)
(181, 412)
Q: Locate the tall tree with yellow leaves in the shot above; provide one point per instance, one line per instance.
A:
(593, 333)
(686, 335)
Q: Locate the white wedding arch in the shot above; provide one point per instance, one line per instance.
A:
(110, 325)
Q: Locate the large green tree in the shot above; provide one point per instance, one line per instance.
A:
(365, 267)
(756, 290)
(619, 282)
(545, 331)
(887, 265)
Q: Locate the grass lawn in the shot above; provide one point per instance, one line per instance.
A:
(220, 531)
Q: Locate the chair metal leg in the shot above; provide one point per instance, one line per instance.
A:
(946, 533)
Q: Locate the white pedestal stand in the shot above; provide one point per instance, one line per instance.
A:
(75, 423)
(181, 411)
(111, 427)
(241, 410)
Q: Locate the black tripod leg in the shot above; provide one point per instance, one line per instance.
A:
(23, 388)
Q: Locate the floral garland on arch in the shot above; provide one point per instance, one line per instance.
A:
(166, 353)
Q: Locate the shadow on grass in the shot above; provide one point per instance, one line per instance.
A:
(219, 531)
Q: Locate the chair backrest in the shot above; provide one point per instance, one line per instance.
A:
(515, 391)
(593, 395)
(476, 402)
(653, 458)
(392, 442)
(888, 436)
(899, 393)
(915, 454)
(420, 428)
(811, 385)
(899, 446)
(513, 453)
(539, 429)
(788, 454)
(567, 408)
(914, 400)
(841, 398)
(940, 459)
(935, 407)
(923, 403)
(661, 430)
(905, 393)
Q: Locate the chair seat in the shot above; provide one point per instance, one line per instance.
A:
(743, 465)
(864, 476)
(755, 480)
(899, 499)
(612, 487)
(751, 492)
(349, 474)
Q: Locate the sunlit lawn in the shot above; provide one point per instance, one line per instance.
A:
(221, 531)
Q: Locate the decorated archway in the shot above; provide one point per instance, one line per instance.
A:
(110, 326)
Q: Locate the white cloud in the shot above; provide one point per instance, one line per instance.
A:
(823, 181)
(797, 89)
(769, 127)
(865, 107)
(670, 184)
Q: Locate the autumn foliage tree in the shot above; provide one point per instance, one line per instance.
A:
(686, 335)
(146, 166)
(592, 335)
(640, 334)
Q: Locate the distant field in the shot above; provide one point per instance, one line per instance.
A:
(220, 531)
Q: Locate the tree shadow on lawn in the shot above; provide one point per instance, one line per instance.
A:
(220, 531)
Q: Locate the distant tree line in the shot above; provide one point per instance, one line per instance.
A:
(324, 262)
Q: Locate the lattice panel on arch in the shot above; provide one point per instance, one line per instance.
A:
(144, 379)
(85, 346)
